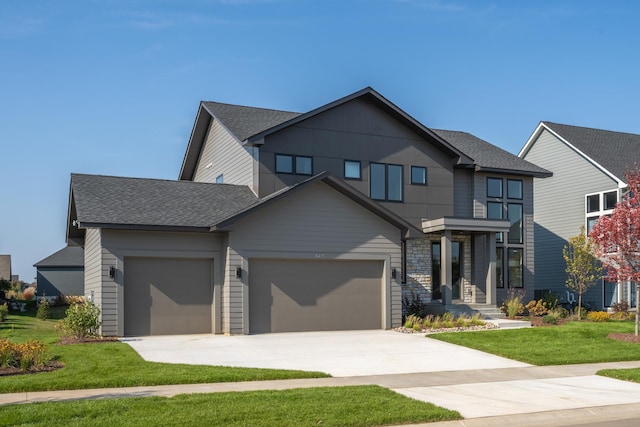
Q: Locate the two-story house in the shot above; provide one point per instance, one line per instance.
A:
(588, 180)
(322, 220)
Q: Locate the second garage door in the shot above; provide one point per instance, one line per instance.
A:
(301, 295)
(165, 296)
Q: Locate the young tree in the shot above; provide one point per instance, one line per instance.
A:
(617, 238)
(583, 267)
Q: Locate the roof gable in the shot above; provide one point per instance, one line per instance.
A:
(137, 203)
(611, 152)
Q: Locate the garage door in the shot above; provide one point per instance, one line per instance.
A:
(300, 295)
(164, 296)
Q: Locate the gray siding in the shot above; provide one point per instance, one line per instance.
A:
(361, 131)
(53, 281)
(117, 244)
(560, 208)
(316, 223)
(463, 193)
(93, 265)
(223, 154)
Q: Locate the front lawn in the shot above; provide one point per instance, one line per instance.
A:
(113, 364)
(571, 343)
(336, 406)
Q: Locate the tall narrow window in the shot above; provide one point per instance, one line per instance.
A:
(495, 211)
(436, 291)
(514, 212)
(515, 268)
(385, 182)
(499, 267)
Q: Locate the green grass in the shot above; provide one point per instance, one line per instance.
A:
(335, 406)
(113, 364)
(571, 343)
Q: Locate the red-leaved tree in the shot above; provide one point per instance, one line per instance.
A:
(617, 238)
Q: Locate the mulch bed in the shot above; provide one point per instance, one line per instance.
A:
(625, 337)
(51, 366)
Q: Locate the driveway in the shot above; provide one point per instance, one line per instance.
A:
(340, 354)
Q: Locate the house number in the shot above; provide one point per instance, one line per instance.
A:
(320, 255)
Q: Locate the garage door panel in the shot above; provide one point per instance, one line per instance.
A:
(293, 295)
(167, 296)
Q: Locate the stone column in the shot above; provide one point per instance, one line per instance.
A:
(446, 276)
(490, 247)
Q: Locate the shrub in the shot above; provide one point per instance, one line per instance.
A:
(537, 308)
(550, 319)
(428, 321)
(31, 354)
(413, 305)
(476, 320)
(411, 321)
(44, 311)
(550, 300)
(29, 293)
(512, 306)
(598, 316)
(620, 307)
(4, 312)
(580, 313)
(73, 299)
(81, 321)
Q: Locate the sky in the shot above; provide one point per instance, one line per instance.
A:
(112, 87)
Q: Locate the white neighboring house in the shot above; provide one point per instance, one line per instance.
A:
(588, 168)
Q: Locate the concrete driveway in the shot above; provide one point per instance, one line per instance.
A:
(340, 354)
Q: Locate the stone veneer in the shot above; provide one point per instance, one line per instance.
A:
(418, 261)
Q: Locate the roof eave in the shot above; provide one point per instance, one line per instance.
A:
(196, 141)
(143, 227)
(535, 174)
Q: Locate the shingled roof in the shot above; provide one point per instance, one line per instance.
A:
(244, 122)
(70, 256)
(138, 203)
(488, 157)
(615, 151)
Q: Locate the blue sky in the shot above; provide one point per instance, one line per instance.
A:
(112, 87)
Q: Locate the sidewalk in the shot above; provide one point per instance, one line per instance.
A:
(558, 395)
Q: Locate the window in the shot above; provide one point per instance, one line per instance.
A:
(386, 182)
(418, 175)
(593, 203)
(514, 189)
(352, 169)
(591, 221)
(220, 179)
(495, 211)
(285, 164)
(494, 187)
(514, 213)
(515, 268)
(610, 199)
(499, 267)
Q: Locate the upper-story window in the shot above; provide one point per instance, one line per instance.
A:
(599, 204)
(352, 169)
(418, 175)
(385, 181)
(494, 187)
(301, 165)
(220, 179)
(514, 189)
(514, 213)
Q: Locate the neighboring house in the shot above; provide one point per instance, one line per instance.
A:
(61, 273)
(588, 168)
(324, 220)
(5, 267)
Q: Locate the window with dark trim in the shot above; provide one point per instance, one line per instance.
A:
(514, 189)
(495, 210)
(352, 169)
(514, 213)
(500, 267)
(418, 175)
(515, 267)
(300, 165)
(220, 179)
(494, 187)
(385, 181)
